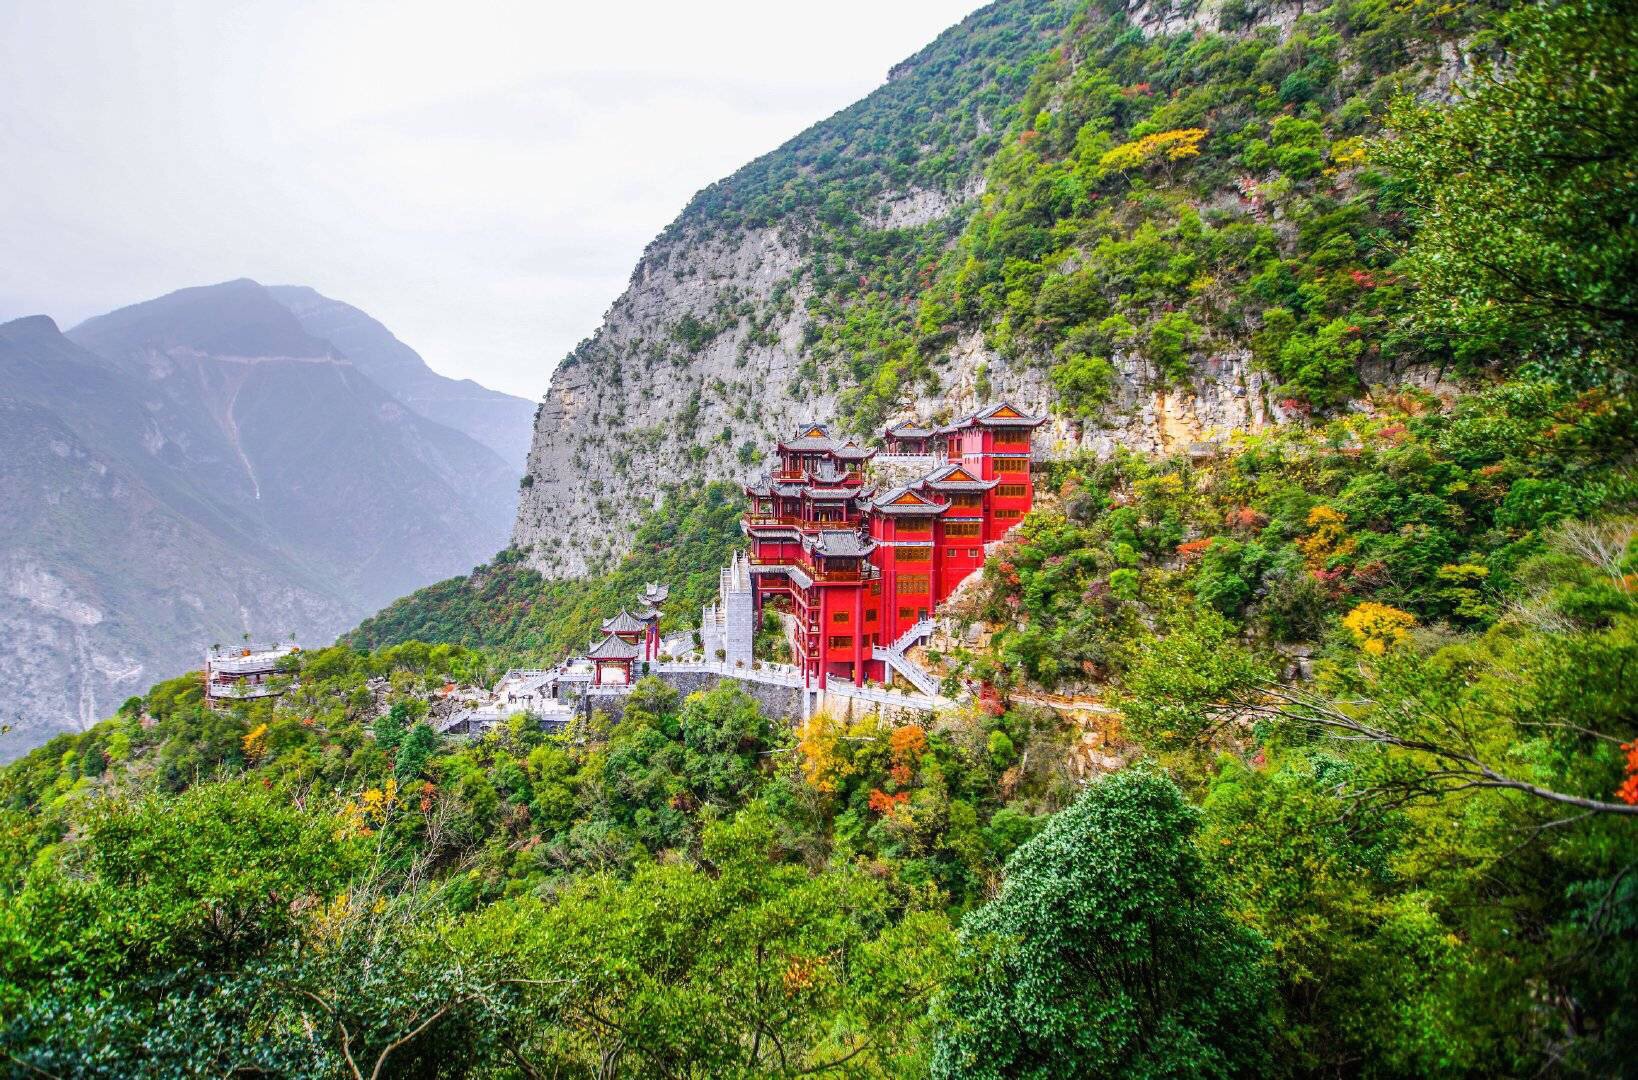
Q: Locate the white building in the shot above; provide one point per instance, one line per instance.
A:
(244, 672)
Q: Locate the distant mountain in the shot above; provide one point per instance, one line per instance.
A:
(114, 568)
(200, 466)
(499, 421)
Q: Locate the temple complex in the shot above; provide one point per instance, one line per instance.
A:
(858, 571)
(854, 551)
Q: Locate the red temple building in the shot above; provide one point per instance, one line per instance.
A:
(861, 571)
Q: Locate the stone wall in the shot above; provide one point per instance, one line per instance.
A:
(783, 702)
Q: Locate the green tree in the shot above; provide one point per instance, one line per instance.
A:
(1524, 189)
(745, 965)
(419, 744)
(1107, 953)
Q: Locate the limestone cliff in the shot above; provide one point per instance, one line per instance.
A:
(798, 288)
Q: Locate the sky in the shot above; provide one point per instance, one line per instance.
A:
(480, 176)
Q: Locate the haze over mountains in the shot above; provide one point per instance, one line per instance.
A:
(223, 460)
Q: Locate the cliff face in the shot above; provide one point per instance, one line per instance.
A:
(706, 355)
(970, 232)
(623, 419)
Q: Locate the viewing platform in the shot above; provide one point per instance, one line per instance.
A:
(246, 672)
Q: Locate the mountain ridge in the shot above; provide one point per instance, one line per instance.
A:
(500, 421)
(197, 466)
(1002, 220)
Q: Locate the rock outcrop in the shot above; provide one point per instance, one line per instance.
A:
(704, 359)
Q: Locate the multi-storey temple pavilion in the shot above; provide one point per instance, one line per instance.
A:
(861, 570)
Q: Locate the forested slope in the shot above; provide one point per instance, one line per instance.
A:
(1372, 671)
(1155, 223)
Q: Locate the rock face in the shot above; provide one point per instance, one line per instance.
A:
(185, 471)
(623, 418)
(671, 388)
(791, 287)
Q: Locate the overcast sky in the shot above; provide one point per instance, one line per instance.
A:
(480, 176)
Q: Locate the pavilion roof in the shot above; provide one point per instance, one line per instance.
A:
(623, 623)
(905, 500)
(810, 442)
(829, 472)
(613, 648)
(840, 543)
(956, 477)
(1003, 414)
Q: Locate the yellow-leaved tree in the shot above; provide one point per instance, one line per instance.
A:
(1162, 148)
(1377, 626)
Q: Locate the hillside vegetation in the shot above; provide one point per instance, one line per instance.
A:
(511, 609)
(1373, 670)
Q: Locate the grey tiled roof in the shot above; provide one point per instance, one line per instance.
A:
(909, 431)
(938, 482)
(885, 503)
(841, 543)
(622, 623)
(795, 573)
(987, 416)
(612, 648)
(809, 443)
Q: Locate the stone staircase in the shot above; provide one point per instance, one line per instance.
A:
(894, 656)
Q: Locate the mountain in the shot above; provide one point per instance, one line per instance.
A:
(1313, 754)
(500, 421)
(114, 568)
(197, 467)
(1153, 221)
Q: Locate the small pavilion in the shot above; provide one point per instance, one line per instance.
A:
(612, 659)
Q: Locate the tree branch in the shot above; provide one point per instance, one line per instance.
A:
(1464, 766)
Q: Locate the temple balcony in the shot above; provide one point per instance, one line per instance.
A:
(244, 691)
(813, 573)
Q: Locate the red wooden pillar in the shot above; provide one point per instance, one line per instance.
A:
(859, 635)
(824, 638)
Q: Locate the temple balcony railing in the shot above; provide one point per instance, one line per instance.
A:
(246, 659)
(246, 690)
(837, 575)
(790, 521)
(811, 572)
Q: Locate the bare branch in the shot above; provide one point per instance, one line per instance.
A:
(1462, 766)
